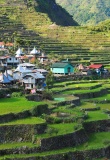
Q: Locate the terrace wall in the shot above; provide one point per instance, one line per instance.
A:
(92, 94)
(20, 133)
(76, 155)
(12, 116)
(62, 141)
(97, 126)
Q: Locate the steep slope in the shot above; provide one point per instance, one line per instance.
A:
(86, 11)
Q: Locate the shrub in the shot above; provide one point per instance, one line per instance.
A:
(16, 94)
(53, 120)
(47, 95)
(51, 130)
(39, 110)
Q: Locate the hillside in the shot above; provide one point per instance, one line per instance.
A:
(48, 10)
(86, 11)
(29, 25)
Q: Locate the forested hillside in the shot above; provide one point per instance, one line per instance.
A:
(46, 10)
(87, 11)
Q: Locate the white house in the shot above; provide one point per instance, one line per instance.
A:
(33, 80)
(9, 60)
(12, 61)
(20, 72)
(35, 52)
(19, 53)
(27, 65)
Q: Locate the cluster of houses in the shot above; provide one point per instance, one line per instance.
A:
(34, 78)
(25, 73)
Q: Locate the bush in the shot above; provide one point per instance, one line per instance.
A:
(51, 131)
(39, 110)
(47, 95)
(53, 120)
(16, 94)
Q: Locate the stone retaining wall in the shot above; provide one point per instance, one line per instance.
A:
(13, 116)
(97, 126)
(20, 133)
(68, 140)
(92, 94)
(76, 155)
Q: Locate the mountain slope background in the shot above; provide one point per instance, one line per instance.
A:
(88, 12)
(52, 11)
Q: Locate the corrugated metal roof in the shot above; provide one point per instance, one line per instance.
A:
(60, 65)
(35, 75)
(95, 66)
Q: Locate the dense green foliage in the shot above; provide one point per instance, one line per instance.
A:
(86, 11)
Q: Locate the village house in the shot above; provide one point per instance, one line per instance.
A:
(33, 80)
(9, 61)
(97, 68)
(86, 71)
(20, 72)
(5, 78)
(19, 53)
(42, 71)
(62, 68)
(12, 61)
(35, 52)
(42, 58)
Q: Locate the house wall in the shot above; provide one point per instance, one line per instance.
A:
(12, 60)
(63, 70)
(17, 75)
(29, 80)
(58, 70)
(71, 69)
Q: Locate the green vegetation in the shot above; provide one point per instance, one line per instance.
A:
(15, 105)
(41, 24)
(87, 12)
(96, 140)
(30, 120)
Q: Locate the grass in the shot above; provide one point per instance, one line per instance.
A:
(97, 115)
(96, 141)
(73, 111)
(75, 86)
(30, 120)
(102, 98)
(82, 91)
(15, 105)
(61, 129)
(16, 145)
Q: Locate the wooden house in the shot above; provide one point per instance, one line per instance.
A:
(62, 68)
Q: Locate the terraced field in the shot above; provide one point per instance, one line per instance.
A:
(65, 117)
(24, 135)
(78, 44)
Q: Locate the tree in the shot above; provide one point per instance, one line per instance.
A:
(49, 79)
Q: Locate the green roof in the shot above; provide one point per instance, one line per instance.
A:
(60, 65)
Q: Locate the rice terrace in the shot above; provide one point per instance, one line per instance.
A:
(54, 83)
